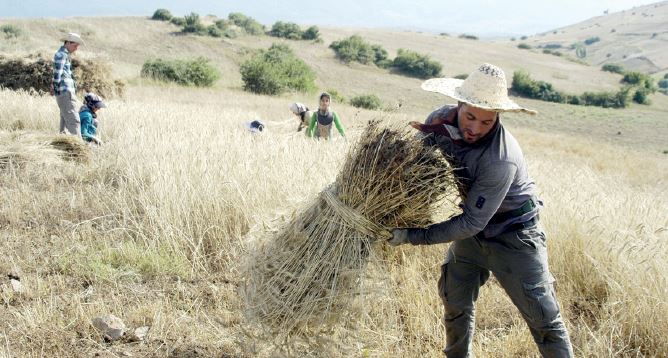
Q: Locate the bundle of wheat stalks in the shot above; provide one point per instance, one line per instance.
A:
(302, 279)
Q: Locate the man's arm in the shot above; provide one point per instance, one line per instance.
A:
(483, 200)
(59, 60)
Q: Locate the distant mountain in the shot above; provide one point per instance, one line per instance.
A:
(636, 38)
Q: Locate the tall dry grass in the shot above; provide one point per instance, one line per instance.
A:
(155, 227)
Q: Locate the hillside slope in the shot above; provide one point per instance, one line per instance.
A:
(636, 38)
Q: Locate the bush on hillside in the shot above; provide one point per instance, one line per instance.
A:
(468, 37)
(367, 101)
(551, 52)
(592, 40)
(525, 86)
(606, 99)
(312, 33)
(193, 25)
(288, 30)
(178, 21)
(663, 83)
(523, 38)
(524, 46)
(462, 76)
(381, 57)
(275, 71)
(416, 65)
(162, 15)
(552, 46)
(10, 31)
(665, 77)
(214, 31)
(336, 96)
(639, 79)
(353, 49)
(197, 72)
(247, 23)
(613, 67)
(641, 96)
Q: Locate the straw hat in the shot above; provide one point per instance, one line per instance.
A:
(73, 37)
(484, 88)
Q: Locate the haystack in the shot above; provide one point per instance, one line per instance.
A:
(34, 73)
(299, 281)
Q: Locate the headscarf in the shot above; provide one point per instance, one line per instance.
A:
(298, 108)
(92, 101)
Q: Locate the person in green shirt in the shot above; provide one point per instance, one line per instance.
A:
(322, 120)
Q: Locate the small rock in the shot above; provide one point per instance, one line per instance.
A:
(139, 334)
(17, 286)
(111, 326)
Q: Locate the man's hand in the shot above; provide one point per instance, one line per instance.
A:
(399, 237)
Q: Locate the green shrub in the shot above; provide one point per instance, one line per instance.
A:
(178, 21)
(275, 71)
(368, 101)
(524, 85)
(523, 38)
(665, 77)
(613, 67)
(639, 79)
(552, 46)
(222, 24)
(580, 51)
(550, 52)
(524, 46)
(214, 31)
(462, 76)
(468, 37)
(606, 99)
(162, 15)
(592, 40)
(197, 72)
(663, 83)
(193, 24)
(247, 23)
(288, 30)
(312, 33)
(10, 31)
(381, 57)
(336, 96)
(416, 65)
(641, 96)
(353, 49)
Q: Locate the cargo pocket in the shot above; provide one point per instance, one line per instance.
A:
(441, 282)
(541, 299)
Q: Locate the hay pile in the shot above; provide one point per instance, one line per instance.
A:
(34, 73)
(19, 149)
(302, 280)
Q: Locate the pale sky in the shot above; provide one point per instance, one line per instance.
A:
(479, 17)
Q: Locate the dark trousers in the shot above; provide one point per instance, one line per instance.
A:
(518, 259)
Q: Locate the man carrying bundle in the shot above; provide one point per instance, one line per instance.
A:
(498, 230)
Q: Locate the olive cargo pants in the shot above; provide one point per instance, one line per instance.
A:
(518, 259)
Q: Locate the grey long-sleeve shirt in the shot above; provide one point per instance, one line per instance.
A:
(494, 176)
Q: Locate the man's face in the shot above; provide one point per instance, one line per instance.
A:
(324, 103)
(475, 123)
(71, 46)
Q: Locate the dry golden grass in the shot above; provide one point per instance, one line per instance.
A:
(155, 227)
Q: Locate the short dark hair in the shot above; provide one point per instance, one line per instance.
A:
(325, 94)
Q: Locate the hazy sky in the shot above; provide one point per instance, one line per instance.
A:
(481, 17)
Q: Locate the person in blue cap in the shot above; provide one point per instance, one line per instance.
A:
(88, 118)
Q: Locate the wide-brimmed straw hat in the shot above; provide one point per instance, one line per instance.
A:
(72, 37)
(484, 88)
